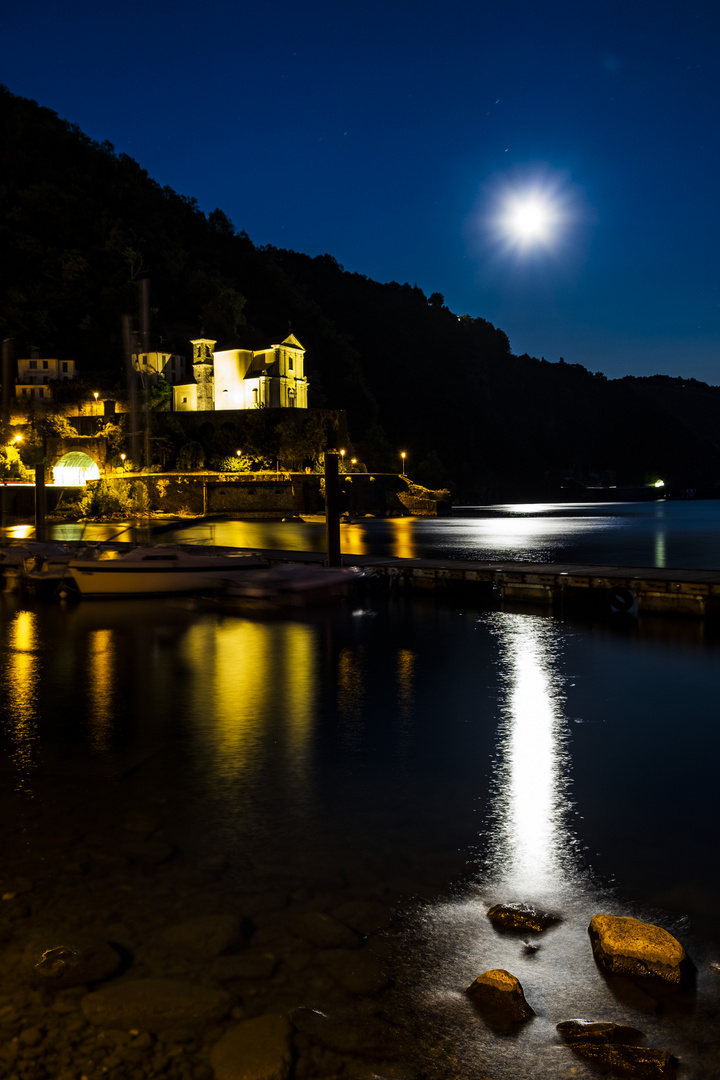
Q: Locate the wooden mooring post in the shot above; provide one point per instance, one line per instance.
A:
(40, 502)
(332, 509)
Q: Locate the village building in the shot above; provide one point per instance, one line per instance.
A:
(159, 363)
(253, 372)
(36, 375)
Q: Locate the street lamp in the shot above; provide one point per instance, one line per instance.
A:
(403, 455)
(95, 395)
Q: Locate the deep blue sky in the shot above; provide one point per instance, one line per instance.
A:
(386, 132)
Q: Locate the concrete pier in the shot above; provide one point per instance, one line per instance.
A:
(548, 585)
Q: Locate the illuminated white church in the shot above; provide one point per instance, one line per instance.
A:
(255, 372)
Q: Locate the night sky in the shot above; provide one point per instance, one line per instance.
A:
(398, 136)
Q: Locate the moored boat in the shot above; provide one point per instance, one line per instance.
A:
(289, 585)
(162, 569)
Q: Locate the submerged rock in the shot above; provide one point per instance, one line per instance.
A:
(521, 917)
(154, 1004)
(357, 970)
(204, 937)
(348, 1033)
(597, 1031)
(363, 916)
(625, 946)
(252, 964)
(60, 959)
(499, 998)
(323, 930)
(257, 1049)
(642, 1062)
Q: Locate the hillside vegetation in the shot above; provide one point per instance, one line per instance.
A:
(80, 225)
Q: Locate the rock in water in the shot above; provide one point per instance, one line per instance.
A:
(626, 946)
(499, 998)
(154, 1004)
(640, 1062)
(521, 917)
(348, 1032)
(597, 1031)
(203, 938)
(60, 959)
(257, 1049)
(357, 970)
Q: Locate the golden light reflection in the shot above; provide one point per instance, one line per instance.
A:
(354, 539)
(405, 675)
(405, 683)
(253, 678)
(351, 683)
(20, 532)
(101, 688)
(21, 675)
(532, 843)
(403, 537)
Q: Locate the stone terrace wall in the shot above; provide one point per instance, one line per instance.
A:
(282, 495)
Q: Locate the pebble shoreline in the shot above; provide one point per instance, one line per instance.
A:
(186, 929)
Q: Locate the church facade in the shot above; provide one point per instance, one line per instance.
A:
(253, 372)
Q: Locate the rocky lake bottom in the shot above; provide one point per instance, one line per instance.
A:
(267, 849)
(131, 950)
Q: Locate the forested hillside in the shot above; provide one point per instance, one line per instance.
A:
(80, 225)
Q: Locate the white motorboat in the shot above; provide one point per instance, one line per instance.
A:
(162, 569)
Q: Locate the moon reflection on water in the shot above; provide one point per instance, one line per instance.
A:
(530, 853)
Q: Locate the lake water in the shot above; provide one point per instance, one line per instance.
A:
(433, 758)
(658, 533)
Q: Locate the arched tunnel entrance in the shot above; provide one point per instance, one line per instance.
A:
(74, 470)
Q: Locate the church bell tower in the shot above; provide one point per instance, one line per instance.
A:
(204, 372)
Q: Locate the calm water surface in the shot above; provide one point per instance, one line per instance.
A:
(660, 533)
(467, 756)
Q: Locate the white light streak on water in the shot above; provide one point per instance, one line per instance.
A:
(530, 787)
(531, 855)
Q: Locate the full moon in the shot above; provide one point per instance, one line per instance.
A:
(528, 220)
(529, 214)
